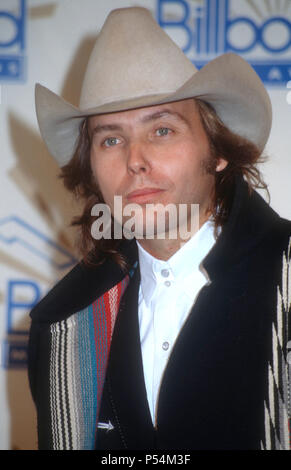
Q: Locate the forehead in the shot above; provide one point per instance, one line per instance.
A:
(184, 110)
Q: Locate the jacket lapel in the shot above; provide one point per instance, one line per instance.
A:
(125, 378)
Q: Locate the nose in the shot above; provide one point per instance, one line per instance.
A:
(138, 159)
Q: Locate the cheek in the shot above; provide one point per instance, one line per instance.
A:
(190, 175)
(184, 163)
(109, 175)
(102, 174)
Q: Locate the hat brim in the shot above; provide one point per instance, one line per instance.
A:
(228, 83)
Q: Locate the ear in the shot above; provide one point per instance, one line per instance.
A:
(221, 164)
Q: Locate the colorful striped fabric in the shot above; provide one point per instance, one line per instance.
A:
(79, 353)
(278, 402)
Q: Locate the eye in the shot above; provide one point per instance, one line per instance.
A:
(111, 141)
(163, 131)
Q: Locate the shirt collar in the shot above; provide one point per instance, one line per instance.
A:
(181, 266)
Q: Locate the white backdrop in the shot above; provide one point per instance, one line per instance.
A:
(49, 41)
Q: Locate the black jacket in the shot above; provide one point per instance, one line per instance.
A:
(226, 385)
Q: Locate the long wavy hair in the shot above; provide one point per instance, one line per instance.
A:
(241, 154)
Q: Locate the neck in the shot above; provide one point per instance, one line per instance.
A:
(165, 248)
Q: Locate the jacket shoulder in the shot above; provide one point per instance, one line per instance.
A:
(280, 234)
(64, 289)
(75, 291)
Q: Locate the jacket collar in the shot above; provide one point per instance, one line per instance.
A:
(249, 221)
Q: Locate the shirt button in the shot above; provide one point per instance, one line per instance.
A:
(165, 346)
(165, 272)
(167, 283)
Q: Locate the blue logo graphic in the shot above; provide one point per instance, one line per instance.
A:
(12, 43)
(14, 348)
(15, 231)
(14, 354)
(211, 30)
(15, 234)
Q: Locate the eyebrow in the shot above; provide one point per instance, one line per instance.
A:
(165, 113)
(151, 117)
(106, 127)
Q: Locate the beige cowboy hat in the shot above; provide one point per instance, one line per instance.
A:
(135, 64)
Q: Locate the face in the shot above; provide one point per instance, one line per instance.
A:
(153, 155)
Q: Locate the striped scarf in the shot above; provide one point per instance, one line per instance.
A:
(79, 353)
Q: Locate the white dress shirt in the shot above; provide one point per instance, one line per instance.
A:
(168, 290)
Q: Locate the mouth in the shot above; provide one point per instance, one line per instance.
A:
(143, 195)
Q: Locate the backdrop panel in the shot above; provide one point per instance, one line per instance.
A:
(49, 41)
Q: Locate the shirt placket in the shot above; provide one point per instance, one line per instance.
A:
(161, 304)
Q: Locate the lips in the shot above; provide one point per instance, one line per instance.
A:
(143, 194)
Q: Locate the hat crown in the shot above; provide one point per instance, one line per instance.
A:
(132, 57)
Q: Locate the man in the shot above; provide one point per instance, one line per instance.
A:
(164, 342)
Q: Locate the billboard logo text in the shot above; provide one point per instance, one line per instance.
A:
(218, 30)
(12, 42)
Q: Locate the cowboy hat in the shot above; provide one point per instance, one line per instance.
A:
(134, 64)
